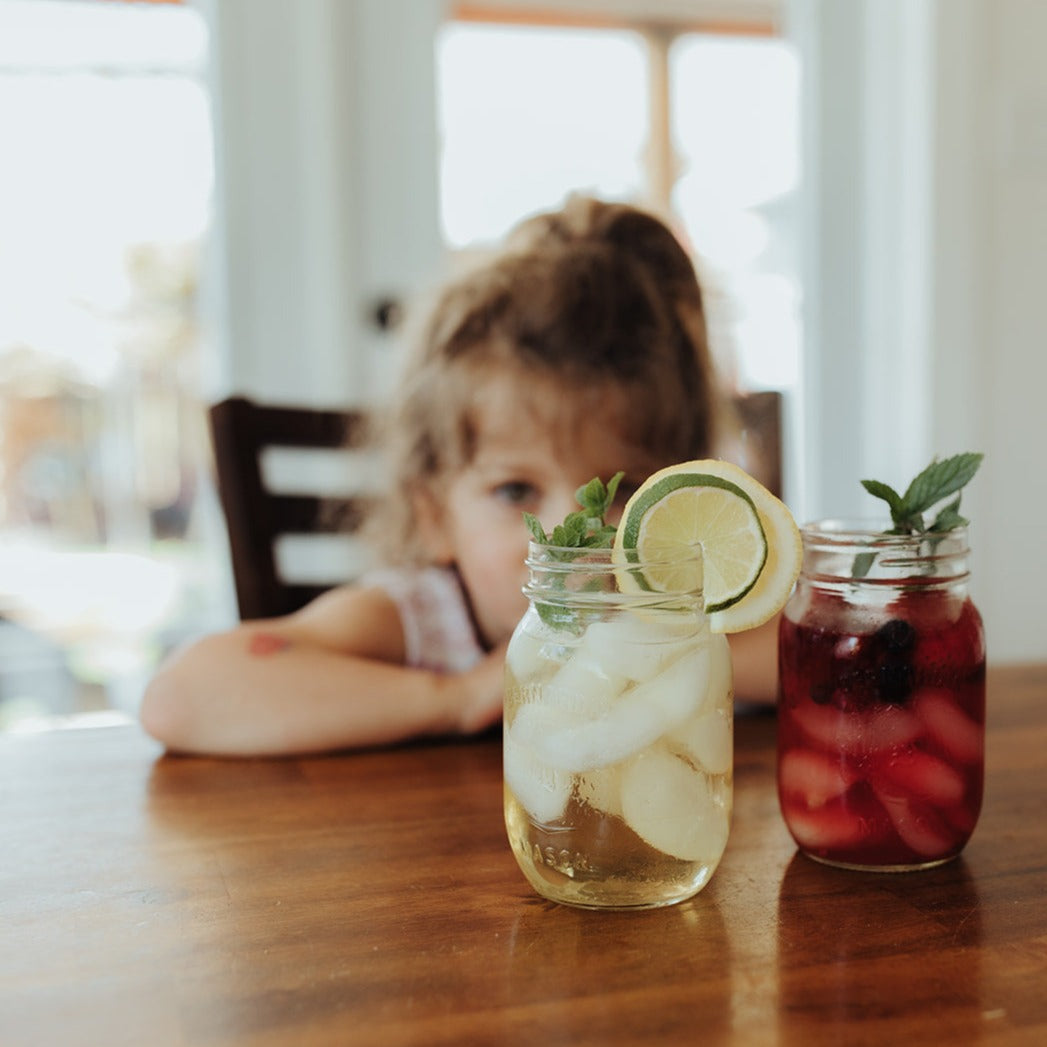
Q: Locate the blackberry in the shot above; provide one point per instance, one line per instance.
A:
(821, 694)
(897, 635)
(895, 681)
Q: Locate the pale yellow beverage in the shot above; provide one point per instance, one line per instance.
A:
(618, 747)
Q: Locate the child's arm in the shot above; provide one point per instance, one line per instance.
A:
(329, 677)
(754, 658)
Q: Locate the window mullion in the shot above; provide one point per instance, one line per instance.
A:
(661, 160)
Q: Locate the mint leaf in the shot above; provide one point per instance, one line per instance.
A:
(596, 497)
(602, 538)
(887, 493)
(939, 480)
(949, 517)
(862, 564)
(572, 532)
(536, 529)
(584, 528)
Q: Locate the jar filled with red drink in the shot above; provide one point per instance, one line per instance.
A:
(881, 721)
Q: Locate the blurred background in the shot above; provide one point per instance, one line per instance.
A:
(215, 196)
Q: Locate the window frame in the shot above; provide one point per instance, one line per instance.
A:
(659, 24)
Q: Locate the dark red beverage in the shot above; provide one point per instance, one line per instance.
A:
(881, 720)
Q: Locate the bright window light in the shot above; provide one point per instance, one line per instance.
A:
(527, 115)
(107, 144)
(735, 105)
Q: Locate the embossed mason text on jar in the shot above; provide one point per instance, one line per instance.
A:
(881, 720)
(617, 732)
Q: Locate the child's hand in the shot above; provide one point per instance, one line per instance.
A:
(482, 692)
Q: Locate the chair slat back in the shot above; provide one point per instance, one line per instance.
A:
(257, 517)
(760, 418)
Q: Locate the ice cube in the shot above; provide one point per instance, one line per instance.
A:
(814, 776)
(679, 691)
(638, 718)
(524, 656)
(920, 827)
(707, 740)
(535, 654)
(831, 827)
(533, 721)
(584, 685)
(721, 675)
(574, 745)
(636, 646)
(919, 774)
(673, 808)
(601, 789)
(542, 791)
(948, 726)
(856, 733)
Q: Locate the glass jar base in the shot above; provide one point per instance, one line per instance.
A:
(858, 867)
(614, 894)
(664, 903)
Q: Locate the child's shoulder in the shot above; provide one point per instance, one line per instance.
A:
(434, 612)
(409, 578)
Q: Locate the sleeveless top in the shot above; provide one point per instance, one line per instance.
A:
(438, 627)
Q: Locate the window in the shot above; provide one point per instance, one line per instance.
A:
(105, 195)
(700, 124)
(562, 108)
(735, 127)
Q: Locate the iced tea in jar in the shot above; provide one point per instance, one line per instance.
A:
(618, 746)
(881, 721)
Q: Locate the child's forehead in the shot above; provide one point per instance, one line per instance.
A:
(518, 425)
(525, 402)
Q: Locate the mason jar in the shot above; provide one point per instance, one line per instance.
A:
(881, 715)
(618, 731)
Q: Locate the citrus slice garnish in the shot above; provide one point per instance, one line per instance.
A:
(751, 548)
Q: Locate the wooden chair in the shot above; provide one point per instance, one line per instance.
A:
(760, 436)
(258, 518)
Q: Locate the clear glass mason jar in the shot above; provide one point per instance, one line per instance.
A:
(618, 732)
(881, 716)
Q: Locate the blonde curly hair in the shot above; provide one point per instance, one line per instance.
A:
(592, 294)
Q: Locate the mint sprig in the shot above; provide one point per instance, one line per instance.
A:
(929, 489)
(936, 483)
(585, 527)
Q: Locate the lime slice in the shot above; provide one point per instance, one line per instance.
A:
(674, 510)
(751, 549)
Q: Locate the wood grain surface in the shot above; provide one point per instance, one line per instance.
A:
(371, 898)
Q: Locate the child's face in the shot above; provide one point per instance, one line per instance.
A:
(532, 453)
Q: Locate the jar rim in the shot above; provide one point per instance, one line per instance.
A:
(601, 570)
(870, 531)
(543, 552)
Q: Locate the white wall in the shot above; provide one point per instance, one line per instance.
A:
(990, 307)
(865, 242)
(326, 187)
(926, 233)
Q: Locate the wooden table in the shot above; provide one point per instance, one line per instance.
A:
(372, 899)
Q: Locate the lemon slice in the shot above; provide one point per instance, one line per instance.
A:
(751, 548)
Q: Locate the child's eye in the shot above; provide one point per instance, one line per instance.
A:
(515, 492)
